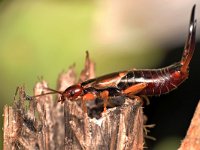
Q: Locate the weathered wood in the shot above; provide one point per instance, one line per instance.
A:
(45, 124)
(118, 128)
(192, 139)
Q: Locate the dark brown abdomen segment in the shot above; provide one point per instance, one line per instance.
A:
(159, 81)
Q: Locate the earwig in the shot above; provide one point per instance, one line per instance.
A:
(135, 83)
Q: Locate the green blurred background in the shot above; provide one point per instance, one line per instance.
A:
(43, 38)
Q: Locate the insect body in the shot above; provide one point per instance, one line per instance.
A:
(135, 82)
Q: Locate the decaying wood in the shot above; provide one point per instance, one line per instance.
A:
(116, 129)
(192, 139)
(42, 123)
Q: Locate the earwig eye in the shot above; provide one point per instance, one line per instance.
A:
(73, 92)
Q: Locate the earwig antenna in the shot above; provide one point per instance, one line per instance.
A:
(43, 94)
(55, 91)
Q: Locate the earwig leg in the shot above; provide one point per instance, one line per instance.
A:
(146, 99)
(87, 97)
(104, 96)
(138, 99)
(134, 89)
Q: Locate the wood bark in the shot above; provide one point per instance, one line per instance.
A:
(192, 139)
(43, 123)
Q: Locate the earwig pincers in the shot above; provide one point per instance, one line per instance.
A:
(136, 82)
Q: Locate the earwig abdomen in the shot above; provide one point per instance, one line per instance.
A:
(159, 81)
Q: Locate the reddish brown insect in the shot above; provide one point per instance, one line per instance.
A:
(135, 83)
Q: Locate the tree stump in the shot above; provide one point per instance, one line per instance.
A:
(43, 123)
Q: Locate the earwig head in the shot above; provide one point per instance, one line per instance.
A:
(189, 44)
(72, 92)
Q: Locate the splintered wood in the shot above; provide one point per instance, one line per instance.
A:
(44, 123)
